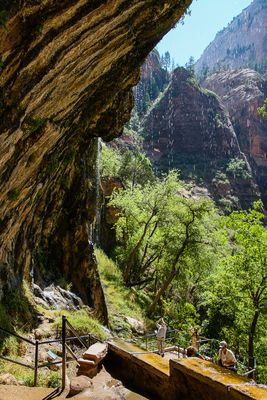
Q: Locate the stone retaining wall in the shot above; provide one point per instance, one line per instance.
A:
(185, 379)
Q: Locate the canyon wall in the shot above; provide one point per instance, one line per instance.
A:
(243, 92)
(243, 43)
(189, 129)
(67, 71)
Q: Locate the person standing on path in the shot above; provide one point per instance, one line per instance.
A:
(161, 335)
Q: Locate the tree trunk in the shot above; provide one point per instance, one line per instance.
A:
(133, 254)
(253, 327)
(161, 291)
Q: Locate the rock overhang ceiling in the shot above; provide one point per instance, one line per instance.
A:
(67, 70)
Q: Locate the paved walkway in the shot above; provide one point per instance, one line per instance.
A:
(10, 392)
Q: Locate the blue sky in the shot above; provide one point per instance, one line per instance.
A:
(207, 18)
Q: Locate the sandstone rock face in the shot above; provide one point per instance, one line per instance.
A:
(243, 43)
(190, 129)
(242, 92)
(67, 69)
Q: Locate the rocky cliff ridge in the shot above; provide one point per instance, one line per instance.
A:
(243, 43)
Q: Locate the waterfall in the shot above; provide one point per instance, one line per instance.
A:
(95, 228)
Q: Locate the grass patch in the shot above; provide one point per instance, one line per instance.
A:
(82, 321)
(25, 376)
(121, 301)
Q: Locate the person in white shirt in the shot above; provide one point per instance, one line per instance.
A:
(226, 357)
(161, 335)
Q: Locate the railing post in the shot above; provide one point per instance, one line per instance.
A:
(63, 333)
(36, 362)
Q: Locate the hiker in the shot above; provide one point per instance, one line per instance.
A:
(195, 338)
(161, 335)
(226, 357)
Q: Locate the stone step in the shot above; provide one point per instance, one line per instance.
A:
(86, 363)
(97, 352)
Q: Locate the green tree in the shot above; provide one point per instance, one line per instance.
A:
(135, 169)
(110, 161)
(236, 294)
(166, 61)
(190, 65)
(131, 166)
(248, 263)
(160, 232)
(263, 110)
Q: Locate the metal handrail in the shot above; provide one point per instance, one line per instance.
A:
(16, 362)
(74, 331)
(17, 336)
(68, 339)
(65, 348)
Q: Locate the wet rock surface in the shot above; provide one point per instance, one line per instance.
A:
(57, 298)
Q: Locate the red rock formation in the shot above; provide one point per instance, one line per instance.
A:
(190, 129)
(243, 91)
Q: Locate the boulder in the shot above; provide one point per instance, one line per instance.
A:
(79, 384)
(8, 379)
(136, 326)
(89, 371)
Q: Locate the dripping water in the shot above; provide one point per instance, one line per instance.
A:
(95, 227)
(170, 127)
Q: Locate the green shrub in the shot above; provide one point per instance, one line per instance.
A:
(3, 18)
(220, 178)
(54, 379)
(238, 168)
(13, 194)
(10, 346)
(35, 124)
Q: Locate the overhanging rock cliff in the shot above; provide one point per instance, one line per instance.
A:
(67, 69)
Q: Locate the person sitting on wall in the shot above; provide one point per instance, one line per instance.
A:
(192, 352)
(161, 335)
(226, 357)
